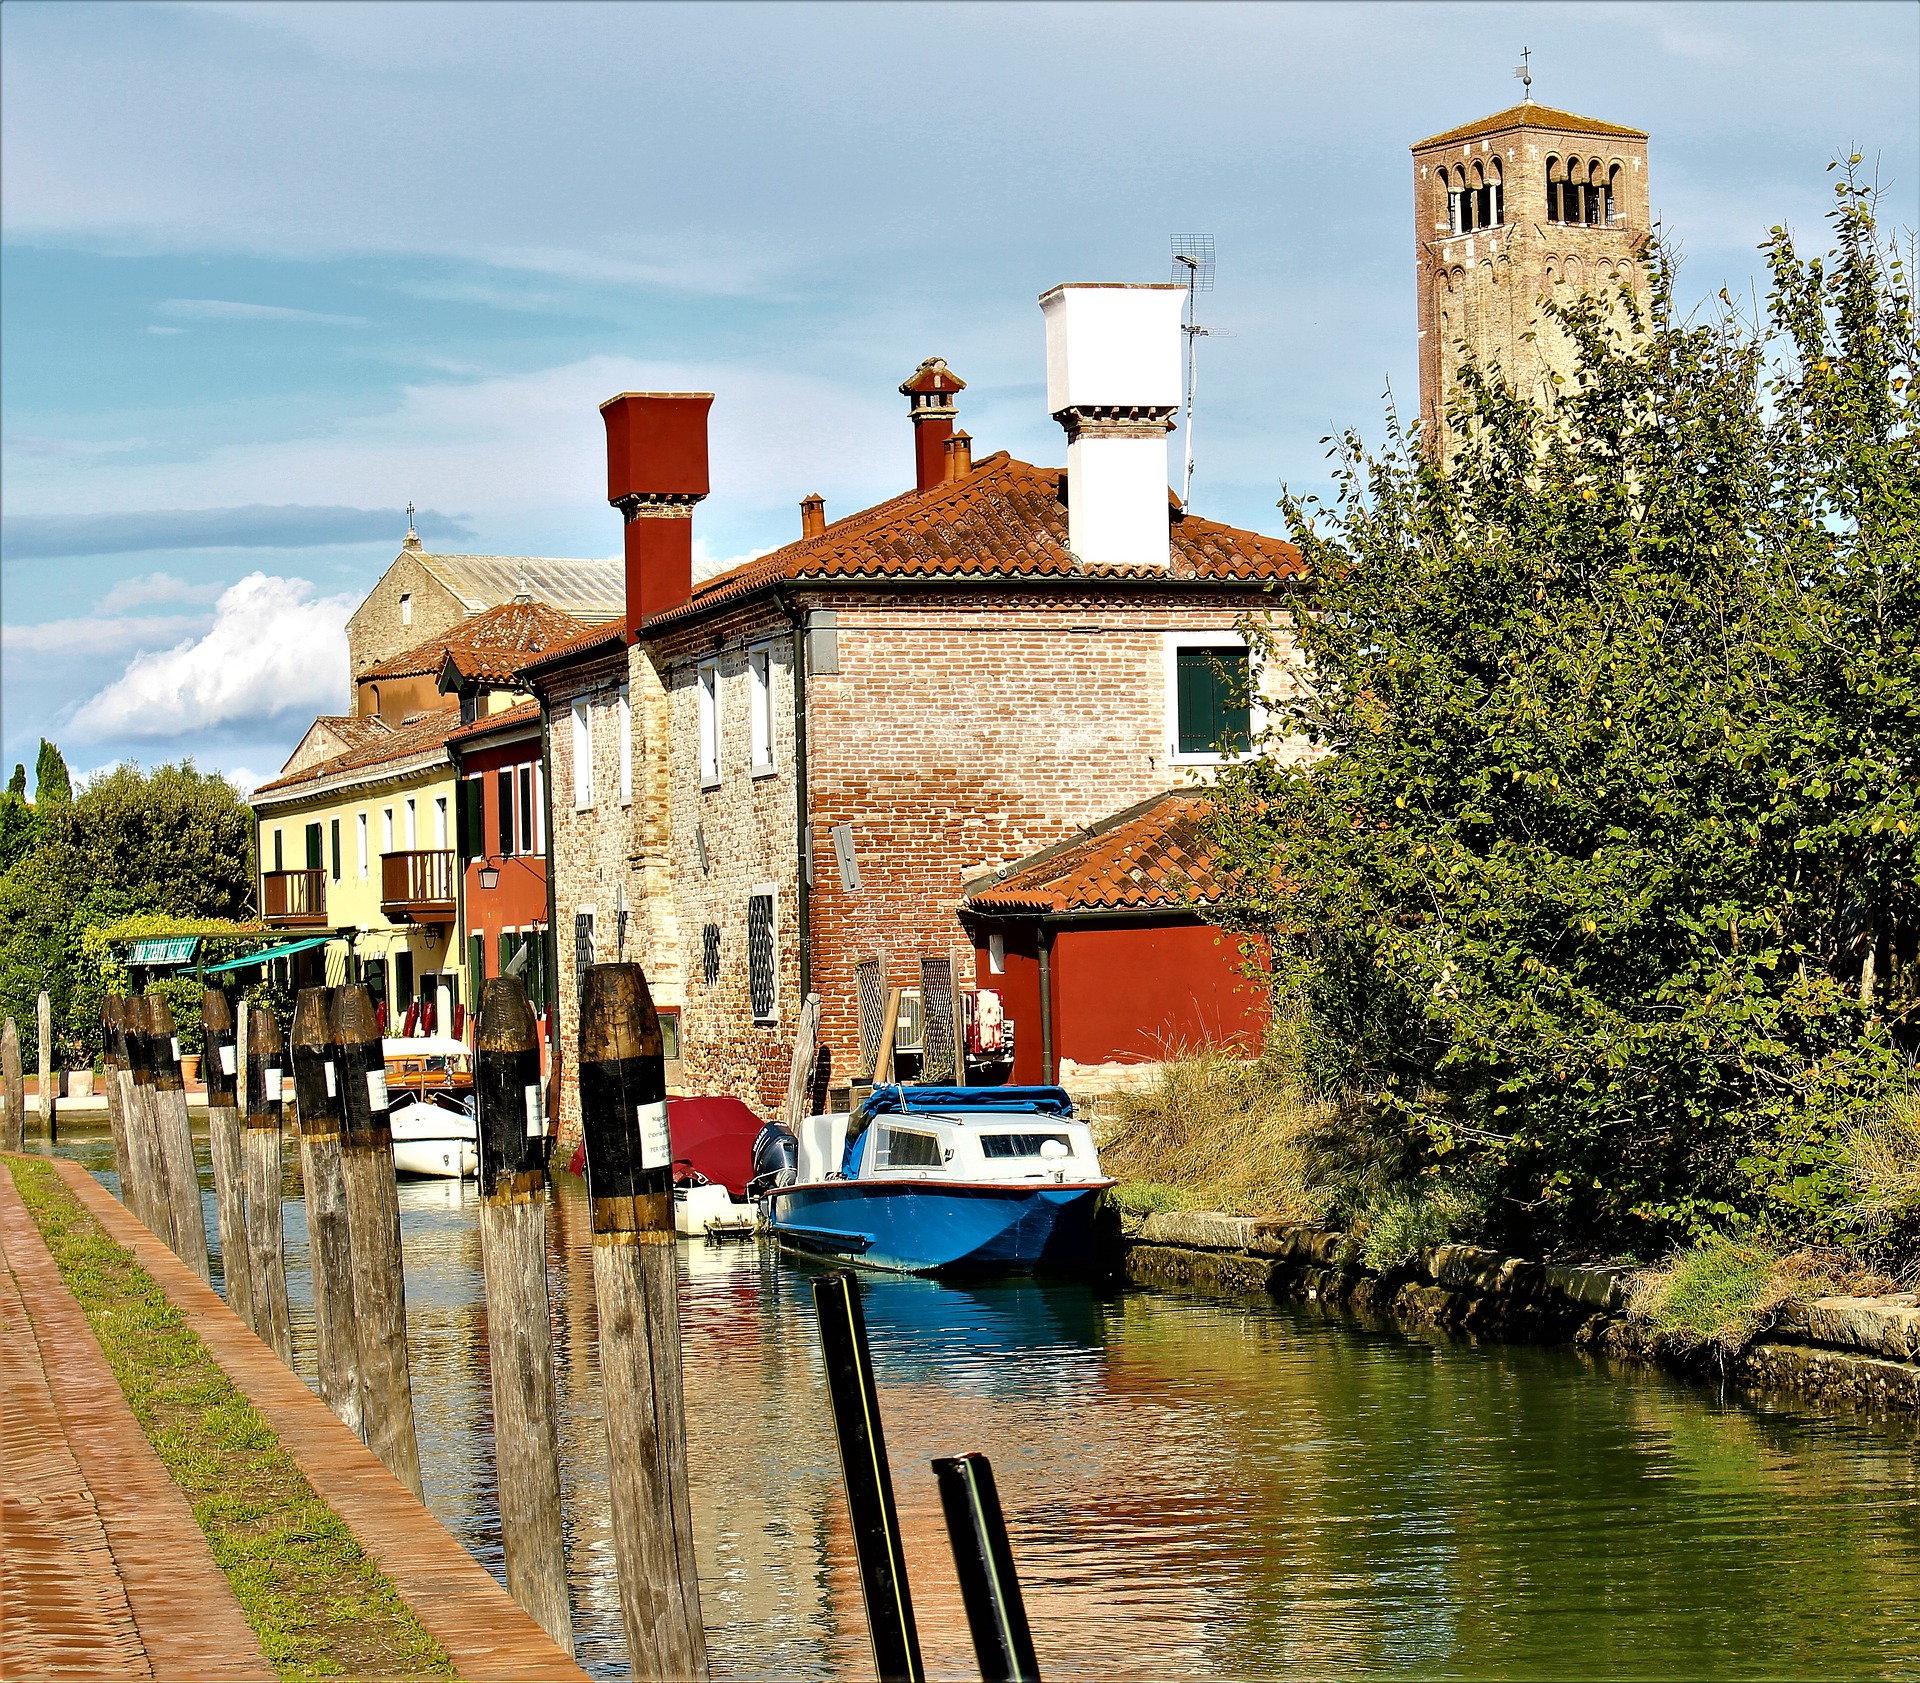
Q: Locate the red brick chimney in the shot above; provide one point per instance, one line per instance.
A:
(656, 472)
(929, 394)
(813, 515)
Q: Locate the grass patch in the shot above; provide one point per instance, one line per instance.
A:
(1147, 1197)
(318, 1604)
(1400, 1223)
(1883, 1162)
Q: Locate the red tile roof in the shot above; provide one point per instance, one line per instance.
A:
(411, 737)
(1149, 858)
(511, 718)
(594, 640)
(1005, 519)
(1530, 115)
(486, 648)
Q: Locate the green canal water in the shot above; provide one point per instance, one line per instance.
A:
(1198, 1488)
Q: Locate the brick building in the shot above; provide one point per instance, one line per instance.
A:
(801, 762)
(1522, 207)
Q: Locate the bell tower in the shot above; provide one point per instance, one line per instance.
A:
(1524, 206)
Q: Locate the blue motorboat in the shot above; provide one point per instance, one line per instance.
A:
(940, 1180)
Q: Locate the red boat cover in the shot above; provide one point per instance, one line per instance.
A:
(713, 1136)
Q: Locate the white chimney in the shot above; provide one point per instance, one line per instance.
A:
(1113, 381)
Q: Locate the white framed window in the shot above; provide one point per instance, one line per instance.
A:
(440, 822)
(413, 824)
(386, 829)
(582, 756)
(760, 708)
(996, 955)
(626, 745)
(1213, 707)
(406, 607)
(707, 690)
(365, 862)
(763, 972)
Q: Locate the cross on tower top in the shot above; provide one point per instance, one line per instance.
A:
(1524, 70)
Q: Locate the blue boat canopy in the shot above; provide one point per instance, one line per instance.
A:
(893, 1101)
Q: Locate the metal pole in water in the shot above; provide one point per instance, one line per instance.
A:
(329, 1249)
(264, 1171)
(623, 1112)
(223, 1146)
(373, 1227)
(863, 1462)
(983, 1558)
(175, 1133)
(513, 1259)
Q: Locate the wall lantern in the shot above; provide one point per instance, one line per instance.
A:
(489, 876)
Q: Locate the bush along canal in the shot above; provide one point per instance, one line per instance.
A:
(1198, 1484)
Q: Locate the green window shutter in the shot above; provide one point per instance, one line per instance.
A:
(314, 862)
(334, 839)
(477, 948)
(473, 831)
(279, 857)
(503, 794)
(1210, 690)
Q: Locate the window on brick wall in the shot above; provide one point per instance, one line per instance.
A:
(626, 745)
(582, 944)
(707, 694)
(582, 756)
(762, 993)
(1212, 709)
(710, 953)
(760, 709)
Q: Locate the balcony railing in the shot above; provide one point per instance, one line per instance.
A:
(294, 899)
(417, 886)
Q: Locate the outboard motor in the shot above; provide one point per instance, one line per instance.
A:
(776, 1154)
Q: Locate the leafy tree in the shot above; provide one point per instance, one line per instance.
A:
(17, 828)
(1600, 883)
(50, 780)
(17, 784)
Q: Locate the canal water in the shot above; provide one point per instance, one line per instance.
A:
(1196, 1488)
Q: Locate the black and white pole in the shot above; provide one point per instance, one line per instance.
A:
(983, 1558)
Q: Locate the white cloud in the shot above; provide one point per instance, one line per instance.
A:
(95, 635)
(274, 648)
(154, 587)
(152, 329)
(222, 309)
(707, 565)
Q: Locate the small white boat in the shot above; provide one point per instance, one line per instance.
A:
(706, 1210)
(432, 1140)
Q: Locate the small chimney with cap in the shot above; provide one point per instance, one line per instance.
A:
(656, 472)
(813, 515)
(1113, 382)
(930, 392)
(959, 455)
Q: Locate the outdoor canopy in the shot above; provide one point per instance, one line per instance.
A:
(251, 959)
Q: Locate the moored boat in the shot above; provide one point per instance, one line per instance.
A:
(430, 1087)
(944, 1180)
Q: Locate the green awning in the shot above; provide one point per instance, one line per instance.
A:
(165, 949)
(251, 959)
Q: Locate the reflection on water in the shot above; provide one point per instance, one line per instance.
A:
(1196, 1488)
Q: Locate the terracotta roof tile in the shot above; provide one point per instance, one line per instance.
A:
(487, 647)
(594, 639)
(1149, 858)
(511, 718)
(1005, 519)
(403, 741)
(1530, 115)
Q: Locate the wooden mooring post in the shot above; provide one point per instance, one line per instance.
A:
(175, 1133)
(623, 1113)
(262, 1153)
(513, 1257)
(221, 1064)
(13, 1091)
(329, 1248)
(373, 1226)
(113, 1049)
(146, 1191)
(49, 1113)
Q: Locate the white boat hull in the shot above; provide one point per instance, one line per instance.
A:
(434, 1143)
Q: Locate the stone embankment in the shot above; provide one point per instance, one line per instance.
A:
(1858, 1350)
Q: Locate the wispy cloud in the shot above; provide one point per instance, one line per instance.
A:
(287, 526)
(93, 636)
(274, 649)
(154, 587)
(223, 309)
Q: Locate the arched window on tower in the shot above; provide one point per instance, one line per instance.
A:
(1498, 192)
(1456, 213)
(1555, 187)
(1613, 202)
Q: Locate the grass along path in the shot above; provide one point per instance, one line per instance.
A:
(318, 1604)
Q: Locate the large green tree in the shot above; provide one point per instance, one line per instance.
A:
(1600, 887)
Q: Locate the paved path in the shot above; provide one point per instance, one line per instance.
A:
(103, 1571)
(486, 1634)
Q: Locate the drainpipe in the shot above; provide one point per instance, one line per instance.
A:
(803, 916)
(1044, 942)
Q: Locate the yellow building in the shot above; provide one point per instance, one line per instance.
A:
(361, 836)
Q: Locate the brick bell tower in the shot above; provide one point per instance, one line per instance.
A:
(1527, 205)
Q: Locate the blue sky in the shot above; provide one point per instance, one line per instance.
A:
(272, 271)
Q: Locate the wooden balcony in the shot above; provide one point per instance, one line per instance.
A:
(417, 886)
(294, 899)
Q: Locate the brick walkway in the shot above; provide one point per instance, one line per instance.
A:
(486, 1634)
(103, 1571)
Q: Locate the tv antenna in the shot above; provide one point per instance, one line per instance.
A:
(1192, 268)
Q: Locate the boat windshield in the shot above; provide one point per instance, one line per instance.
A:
(1021, 1145)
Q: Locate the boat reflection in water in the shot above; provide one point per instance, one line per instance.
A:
(1196, 1488)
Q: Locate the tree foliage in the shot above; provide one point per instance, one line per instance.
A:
(51, 782)
(1601, 886)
